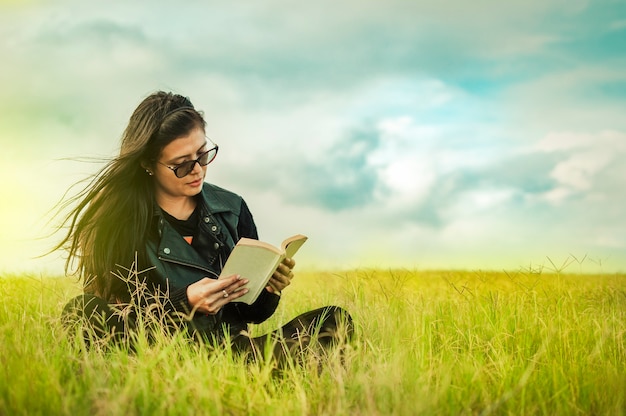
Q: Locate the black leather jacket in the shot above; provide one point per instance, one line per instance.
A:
(174, 264)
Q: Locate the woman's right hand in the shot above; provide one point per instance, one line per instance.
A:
(210, 295)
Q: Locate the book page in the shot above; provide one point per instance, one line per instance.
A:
(293, 244)
(254, 263)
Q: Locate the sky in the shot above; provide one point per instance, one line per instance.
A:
(481, 135)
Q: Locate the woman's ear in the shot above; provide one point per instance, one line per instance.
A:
(147, 168)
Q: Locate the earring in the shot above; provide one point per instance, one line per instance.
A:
(149, 172)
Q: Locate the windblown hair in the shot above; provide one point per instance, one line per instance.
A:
(110, 218)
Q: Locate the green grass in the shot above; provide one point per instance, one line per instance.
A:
(429, 342)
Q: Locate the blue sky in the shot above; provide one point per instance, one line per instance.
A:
(480, 135)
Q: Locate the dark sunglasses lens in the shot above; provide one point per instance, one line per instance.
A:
(208, 157)
(204, 158)
(185, 169)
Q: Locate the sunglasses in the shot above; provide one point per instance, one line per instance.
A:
(183, 169)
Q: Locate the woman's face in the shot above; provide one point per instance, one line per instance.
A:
(180, 150)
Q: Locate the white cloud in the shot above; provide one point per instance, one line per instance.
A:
(607, 140)
(578, 170)
(589, 163)
(407, 177)
(405, 128)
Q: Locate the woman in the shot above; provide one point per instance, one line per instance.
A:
(149, 231)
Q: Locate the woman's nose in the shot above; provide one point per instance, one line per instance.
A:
(198, 166)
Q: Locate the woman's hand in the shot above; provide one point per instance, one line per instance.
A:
(281, 277)
(210, 295)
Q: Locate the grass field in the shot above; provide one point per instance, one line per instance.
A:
(429, 342)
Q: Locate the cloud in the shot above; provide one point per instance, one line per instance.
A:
(584, 159)
(307, 49)
(341, 178)
(411, 171)
(447, 130)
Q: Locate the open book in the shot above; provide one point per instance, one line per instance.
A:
(256, 261)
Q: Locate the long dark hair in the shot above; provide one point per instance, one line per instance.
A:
(109, 219)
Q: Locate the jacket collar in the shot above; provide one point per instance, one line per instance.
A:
(212, 201)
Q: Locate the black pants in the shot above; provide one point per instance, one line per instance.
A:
(311, 334)
(315, 331)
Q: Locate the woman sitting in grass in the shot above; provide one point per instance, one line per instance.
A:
(148, 234)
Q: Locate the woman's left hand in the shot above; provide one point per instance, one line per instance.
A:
(281, 277)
